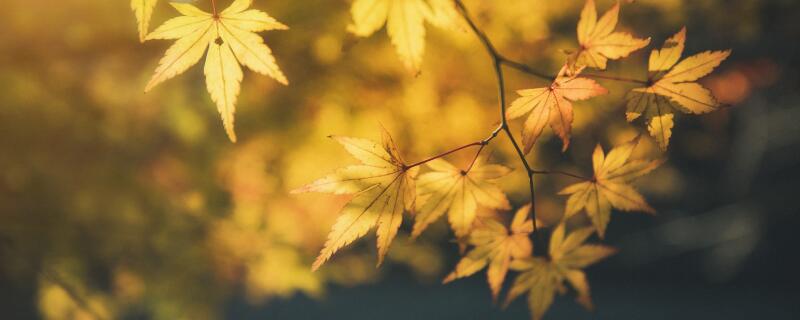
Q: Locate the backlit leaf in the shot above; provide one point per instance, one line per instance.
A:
(552, 105)
(229, 42)
(405, 23)
(143, 9)
(382, 187)
(598, 41)
(671, 87)
(458, 193)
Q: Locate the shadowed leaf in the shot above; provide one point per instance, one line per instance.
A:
(672, 87)
(495, 247)
(542, 278)
(610, 186)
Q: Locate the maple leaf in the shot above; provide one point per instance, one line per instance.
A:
(553, 105)
(383, 188)
(599, 42)
(143, 10)
(457, 192)
(496, 246)
(230, 39)
(444, 14)
(542, 278)
(672, 86)
(405, 23)
(610, 186)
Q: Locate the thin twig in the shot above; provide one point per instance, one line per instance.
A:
(419, 163)
(502, 60)
(561, 173)
(475, 158)
(481, 143)
(614, 78)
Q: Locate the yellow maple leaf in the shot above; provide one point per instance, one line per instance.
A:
(599, 42)
(610, 186)
(542, 278)
(457, 192)
(405, 23)
(143, 9)
(553, 105)
(230, 39)
(496, 246)
(672, 86)
(444, 14)
(383, 188)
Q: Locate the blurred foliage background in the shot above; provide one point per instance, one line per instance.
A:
(116, 204)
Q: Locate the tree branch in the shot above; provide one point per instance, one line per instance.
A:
(525, 68)
(498, 61)
(502, 60)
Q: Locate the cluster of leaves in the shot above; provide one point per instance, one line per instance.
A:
(384, 187)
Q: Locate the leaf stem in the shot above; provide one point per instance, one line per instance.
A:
(475, 158)
(481, 143)
(419, 163)
(502, 60)
(561, 173)
(214, 8)
(613, 78)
